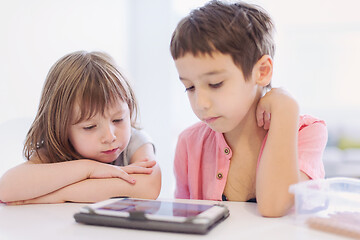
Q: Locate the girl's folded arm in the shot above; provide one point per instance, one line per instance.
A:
(106, 181)
(146, 152)
(146, 186)
(94, 190)
(30, 180)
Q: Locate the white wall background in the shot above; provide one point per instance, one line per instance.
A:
(316, 60)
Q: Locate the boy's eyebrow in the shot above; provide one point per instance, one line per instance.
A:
(207, 74)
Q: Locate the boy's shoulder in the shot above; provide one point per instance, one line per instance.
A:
(198, 130)
(307, 120)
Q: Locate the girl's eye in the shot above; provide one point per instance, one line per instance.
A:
(189, 88)
(89, 127)
(117, 120)
(216, 85)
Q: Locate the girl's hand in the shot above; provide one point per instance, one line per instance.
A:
(276, 100)
(146, 163)
(102, 170)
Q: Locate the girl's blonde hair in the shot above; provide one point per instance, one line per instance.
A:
(90, 80)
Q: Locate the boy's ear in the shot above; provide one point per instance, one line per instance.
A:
(263, 70)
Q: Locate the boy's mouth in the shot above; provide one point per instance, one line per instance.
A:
(210, 120)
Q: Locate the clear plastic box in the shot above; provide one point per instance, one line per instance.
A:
(326, 196)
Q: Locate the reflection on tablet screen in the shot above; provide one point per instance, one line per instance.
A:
(157, 207)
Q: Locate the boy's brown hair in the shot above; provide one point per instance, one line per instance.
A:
(89, 80)
(243, 31)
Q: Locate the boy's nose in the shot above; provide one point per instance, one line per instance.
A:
(203, 101)
(109, 134)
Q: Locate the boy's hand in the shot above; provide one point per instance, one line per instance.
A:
(276, 101)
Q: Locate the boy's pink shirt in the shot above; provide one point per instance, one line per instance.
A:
(202, 155)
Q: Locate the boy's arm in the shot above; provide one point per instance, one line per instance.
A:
(34, 179)
(278, 166)
(94, 190)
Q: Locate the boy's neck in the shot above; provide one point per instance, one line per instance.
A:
(247, 130)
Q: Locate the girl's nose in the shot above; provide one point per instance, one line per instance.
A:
(109, 135)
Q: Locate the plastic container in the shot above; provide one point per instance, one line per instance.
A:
(326, 196)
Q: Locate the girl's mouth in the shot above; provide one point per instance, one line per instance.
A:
(110, 151)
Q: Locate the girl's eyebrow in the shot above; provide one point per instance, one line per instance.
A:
(90, 120)
(120, 110)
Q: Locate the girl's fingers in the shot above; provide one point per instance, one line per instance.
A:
(125, 171)
(136, 169)
(150, 163)
(124, 175)
(147, 164)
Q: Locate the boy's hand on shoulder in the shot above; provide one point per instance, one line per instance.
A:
(276, 101)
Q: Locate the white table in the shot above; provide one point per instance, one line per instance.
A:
(55, 221)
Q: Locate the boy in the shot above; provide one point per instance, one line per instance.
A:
(249, 146)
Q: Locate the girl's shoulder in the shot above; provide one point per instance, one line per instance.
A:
(38, 157)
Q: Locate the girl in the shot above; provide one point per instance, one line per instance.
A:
(83, 145)
(249, 146)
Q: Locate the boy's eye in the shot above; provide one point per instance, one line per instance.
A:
(189, 88)
(89, 127)
(216, 85)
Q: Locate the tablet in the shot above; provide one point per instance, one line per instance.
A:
(170, 216)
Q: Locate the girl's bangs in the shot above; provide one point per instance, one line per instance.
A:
(98, 91)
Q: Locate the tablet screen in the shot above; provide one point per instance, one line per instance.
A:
(161, 208)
